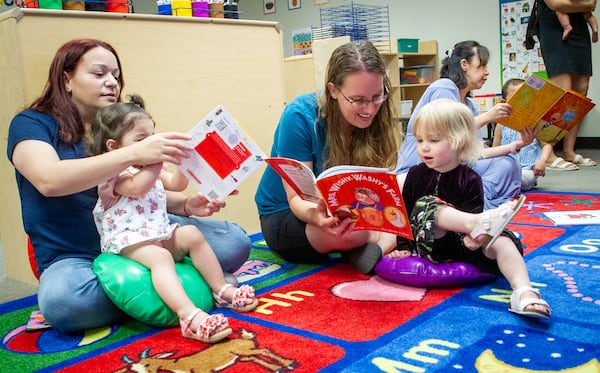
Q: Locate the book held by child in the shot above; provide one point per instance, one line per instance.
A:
(552, 109)
(224, 157)
(370, 196)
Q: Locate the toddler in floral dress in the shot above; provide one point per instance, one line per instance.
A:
(131, 217)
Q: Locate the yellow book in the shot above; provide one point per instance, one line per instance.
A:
(552, 109)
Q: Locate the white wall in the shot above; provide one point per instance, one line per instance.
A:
(446, 21)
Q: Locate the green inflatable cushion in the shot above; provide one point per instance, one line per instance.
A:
(129, 286)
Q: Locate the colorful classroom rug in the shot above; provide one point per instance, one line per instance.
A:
(331, 318)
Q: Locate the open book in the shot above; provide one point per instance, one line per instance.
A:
(554, 110)
(369, 196)
(225, 155)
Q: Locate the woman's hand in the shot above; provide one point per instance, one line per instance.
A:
(499, 111)
(169, 147)
(332, 224)
(528, 134)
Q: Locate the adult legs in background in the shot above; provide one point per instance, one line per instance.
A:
(579, 83)
(71, 298)
(229, 241)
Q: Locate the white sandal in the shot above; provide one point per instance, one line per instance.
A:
(518, 305)
(493, 228)
(238, 300)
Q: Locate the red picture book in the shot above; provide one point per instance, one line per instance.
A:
(225, 155)
(552, 109)
(369, 196)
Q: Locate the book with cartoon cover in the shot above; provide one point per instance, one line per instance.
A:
(224, 157)
(582, 217)
(552, 109)
(36, 322)
(370, 196)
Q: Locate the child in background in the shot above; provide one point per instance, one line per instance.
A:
(565, 22)
(444, 198)
(533, 157)
(131, 217)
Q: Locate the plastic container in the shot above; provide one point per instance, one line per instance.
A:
(200, 9)
(406, 108)
(73, 5)
(217, 10)
(231, 11)
(164, 7)
(408, 45)
(422, 74)
(117, 6)
(181, 8)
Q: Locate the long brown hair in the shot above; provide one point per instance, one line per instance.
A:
(55, 99)
(375, 146)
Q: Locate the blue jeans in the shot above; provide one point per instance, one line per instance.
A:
(71, 298)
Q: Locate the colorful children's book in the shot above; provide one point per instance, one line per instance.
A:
(369, 196)
(583, 217)
(36, 322)
(542, 104)
(225, 155)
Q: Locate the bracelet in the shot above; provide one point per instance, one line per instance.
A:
(513, 148)
(185, 211)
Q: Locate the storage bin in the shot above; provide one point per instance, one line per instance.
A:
(408, 45)
(422, 74)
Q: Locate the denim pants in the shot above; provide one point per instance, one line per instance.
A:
(71, 298)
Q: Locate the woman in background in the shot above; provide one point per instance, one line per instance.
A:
(464, 70)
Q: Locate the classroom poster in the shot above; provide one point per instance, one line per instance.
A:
(516, 61)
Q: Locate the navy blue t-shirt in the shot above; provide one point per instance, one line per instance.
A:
(58, 227)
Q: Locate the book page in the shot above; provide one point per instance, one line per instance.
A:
(370, 197)
(298, 176)
(224, 157)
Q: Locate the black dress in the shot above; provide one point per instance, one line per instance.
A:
(573, 55)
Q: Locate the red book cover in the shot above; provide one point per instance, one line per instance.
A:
(370, 196)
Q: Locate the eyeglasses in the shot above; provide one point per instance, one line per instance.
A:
(361, 103)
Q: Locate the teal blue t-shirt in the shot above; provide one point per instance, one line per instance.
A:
(300, 135)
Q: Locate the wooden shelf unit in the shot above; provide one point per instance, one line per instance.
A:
(427, 55)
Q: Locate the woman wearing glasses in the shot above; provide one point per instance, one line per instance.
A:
(349, 122)
(463, 71)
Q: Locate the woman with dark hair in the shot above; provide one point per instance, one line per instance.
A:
(350, 122)
(464, 70)
(57, 184)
